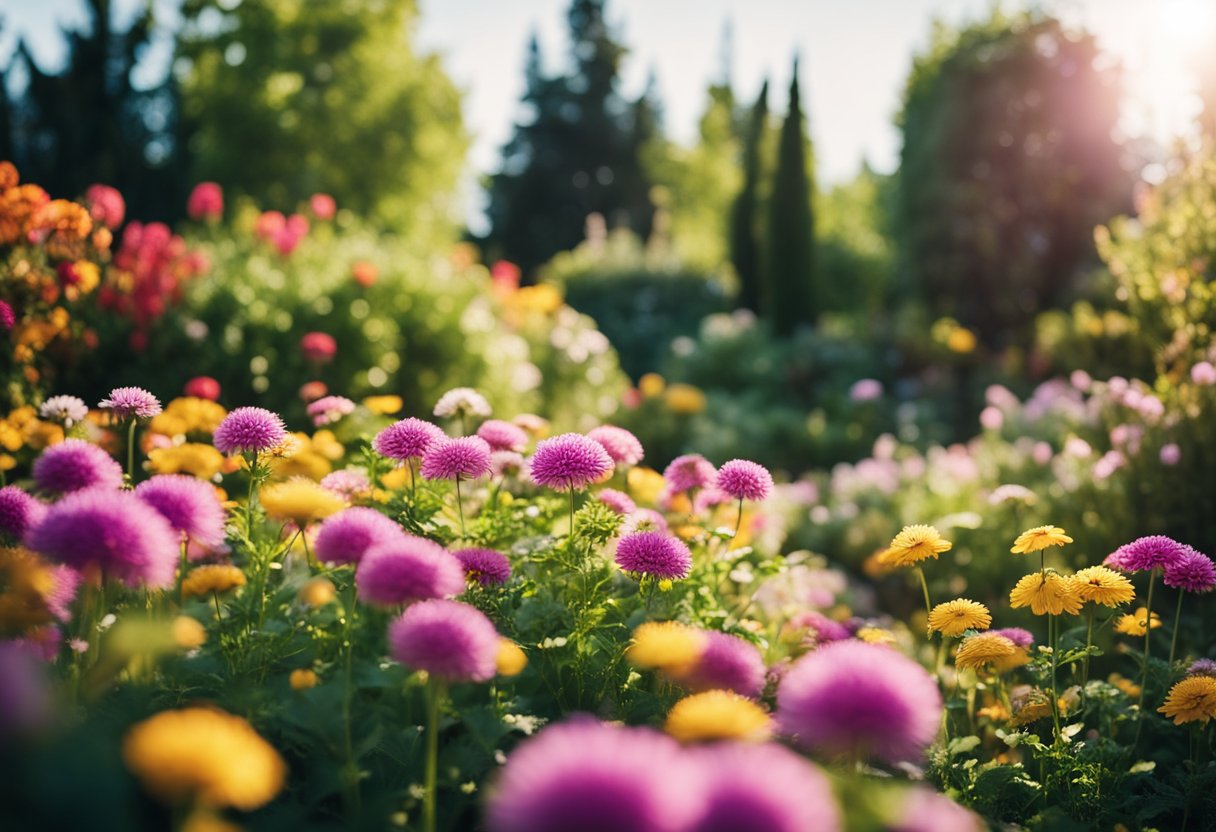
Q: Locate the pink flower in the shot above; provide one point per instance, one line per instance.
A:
(206, 202)
(407, 569)
(620, 502)
(448, 459)
(408, 439)
(688, 472)
(1171, 454)
(269, 224)
(190, 505)
(656, 554)
(621, 445)
(74, 465)
(745, 480)
(486, 566)
(991, 418)
(131, 403)
(318, 347)
(106, 205)
(569, 461)
(203, 387)
(866, 390)
(329, 409)
(1204, 373)
(249, 430)
(347, 536)
(8, 318)
(503, 436)
(323, 206)
(447, 639)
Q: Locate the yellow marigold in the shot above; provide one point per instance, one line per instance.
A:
(645, 484)
(205, 757)
(384, 405)
(877, 565)
(652, 385)
(1046, 593)
(718, 715)
(684, 399)
(979, 650)
(915, 544)
(510, 659)
(188, 633)
(1005, 664)
(666, 645)
(953, 618)
(876, 635)
(1135, 624)
(216, 577)
(396, 478)
(1191, 700)
(325, 443)
(318, 592)
(1103, 586)
(299, 500)
(188, 414)
(25, 582)
(298, 456)
(1040, 537)
(1129, 688)
(302, 679)
(193, 458)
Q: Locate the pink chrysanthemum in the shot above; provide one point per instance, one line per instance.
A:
(106, 205)
(408, 439)
(206, 202)
(688, 472)
(249, 430)
(467, 457)
(860, 700)
(1146, 553)
(726, 663)
(19, 512)
(621, 445)
(329, 409)
(318, 347)
(190, 505)
(349, 483)
(618, 501)
(1020, 637)
(745, 480)
(75, 464)
(708, 497)
(408, 569)
(131, 403)
(1192, 572)
(820, 629)
(447, 639)
(113, 531)
(506, 463)
(653, 553)
(586, 775)
(569, 461)
(924, 810)
(347, 536)
(762, 788)
(487, 567)
(503, 436)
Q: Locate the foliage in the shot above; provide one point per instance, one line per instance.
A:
(854, 255)
(744, 242)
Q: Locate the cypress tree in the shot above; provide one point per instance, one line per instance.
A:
(744, 245)
(788, 292)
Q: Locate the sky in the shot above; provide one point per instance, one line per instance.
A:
(855, 57)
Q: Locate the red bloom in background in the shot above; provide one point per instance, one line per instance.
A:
(318, 347)
(505, 275)
(313, 390)
(203, 387)
(323, 206)
(365, 273)
(269, 224)
(206, 202)
(157, 264)
(106, 205)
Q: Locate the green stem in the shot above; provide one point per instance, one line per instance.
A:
(738, 521)
(413, 482)
(460, 506)
(1053, 635)
(571, 513)
(181, 578)
(1177, 626)
(252, 459)
(348, 639)
(924, 585)
(1148, 633)
(131, 452)
(434, 700)
(1089, 640)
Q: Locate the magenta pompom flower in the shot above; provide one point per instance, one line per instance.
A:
(408, 439)
(131, 403)
(621, 445)
(506, 463)
(503, 436)
(190, 505)
(206, 202)
(586, 775)
(745, 480)
(1020, 637)
(762, 788)
(347, 536)
(329, 409)
(819, 628)
(655, 554)
(726, 662)
(620, 502)
(487, 567)
(64, 582)
(924, 810)
(688, 472)
(73, 465)
(448, 459)
(447, 639)
(249, 430)
(112, 531)
(1146, 553)
(408, 569)
(569, 461)
(8, 318)
(1192, 572)
(19, 512)
(860, 700)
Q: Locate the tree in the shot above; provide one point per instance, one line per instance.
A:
(1008, 163)
(286, 98)
(788, 292)
(744, 220)
(577, 151)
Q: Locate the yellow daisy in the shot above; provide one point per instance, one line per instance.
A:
(1040, 537)
(1046, 593)
(876, 635)
(979, 650)
(300, 500)
(953, 618)
(915, 544)
(218, 577)
(1103, 586)
(666, 645)
(718, 715)
(1191, 700)
(1136, 624)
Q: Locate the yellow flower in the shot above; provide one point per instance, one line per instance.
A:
(25, 582)
(1040, 537)
(1005, 664)
(953, 618)
(198, 460)
(302, 679)
(979, 650)
(301, 456)
(1029, 707)
(876, 635)
(216, 577)
(511, 659)
(188, 414)
(645, 485)
(204, 821)
(1103, 586)
(915, 544)
(961, 340)
(203, 756)
(684, 399)
(318, 592)
(718, 715)
(384, 405)
(995, 712)
(1191, 700)
(1046, 593)
(187, 633)
(666, 645)
(1136, 624)
(1129, 688)
(299, 500)
(652, 385)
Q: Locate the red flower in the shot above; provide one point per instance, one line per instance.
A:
(323, 206)
(206, 202)
(318, 347)
(203, 387)
(106, 205)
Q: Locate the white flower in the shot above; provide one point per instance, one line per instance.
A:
(66, 409)
(462, 401)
